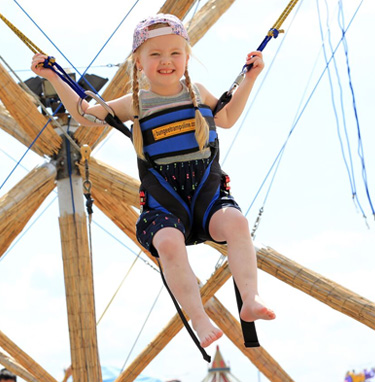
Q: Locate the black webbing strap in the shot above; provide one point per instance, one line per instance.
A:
(179, 311)
(223, 100)
(248, 328)
(115, 122)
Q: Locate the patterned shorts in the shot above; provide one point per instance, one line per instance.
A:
(184, 177)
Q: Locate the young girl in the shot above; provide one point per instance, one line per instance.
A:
(185, 200)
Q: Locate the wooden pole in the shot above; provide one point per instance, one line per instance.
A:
(24, 360)
(77, 273)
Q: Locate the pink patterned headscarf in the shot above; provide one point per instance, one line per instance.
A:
(142, 32)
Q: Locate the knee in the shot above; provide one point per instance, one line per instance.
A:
(240, 225)
(237, 228)
(169, 243)
(229, 224)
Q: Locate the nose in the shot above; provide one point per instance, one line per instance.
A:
(165, 60)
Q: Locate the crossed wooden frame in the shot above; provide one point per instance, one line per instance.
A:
(116, 193)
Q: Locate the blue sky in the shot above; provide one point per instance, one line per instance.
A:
(309, 215)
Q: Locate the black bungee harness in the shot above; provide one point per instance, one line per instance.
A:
(161, 132)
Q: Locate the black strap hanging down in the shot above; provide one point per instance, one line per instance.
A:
(115, 122)
(248, 328)
(206, 357)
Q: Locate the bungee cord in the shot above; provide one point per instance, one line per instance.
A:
(360, 145)
(349, 166)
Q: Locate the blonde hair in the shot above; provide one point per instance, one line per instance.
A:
(201, 126)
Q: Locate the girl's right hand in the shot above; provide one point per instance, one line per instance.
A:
(38, 69)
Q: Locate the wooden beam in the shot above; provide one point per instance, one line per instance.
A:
(23, 110)
(206, 17)
(179, 8)
(20, 203)
(317, 286)
(112, 182)
(12, 365)
(10, 126)
(313, 284)
(24, 360)
(119, 85)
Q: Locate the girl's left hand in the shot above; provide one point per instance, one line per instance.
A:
(255, 58)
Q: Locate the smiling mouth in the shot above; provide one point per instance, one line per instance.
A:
(166, 71)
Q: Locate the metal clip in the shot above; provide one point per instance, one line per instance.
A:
(237, 82)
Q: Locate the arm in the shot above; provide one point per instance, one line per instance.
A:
(121, 106)
(229, 115)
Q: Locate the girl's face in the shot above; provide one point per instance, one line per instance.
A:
(163, 60)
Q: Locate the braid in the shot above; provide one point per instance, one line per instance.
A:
(201, 126)
(137, 134)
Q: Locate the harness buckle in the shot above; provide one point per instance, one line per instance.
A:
(142, 198)
(225, 183)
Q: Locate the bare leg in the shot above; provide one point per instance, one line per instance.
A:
(231, 226)
(170, 244)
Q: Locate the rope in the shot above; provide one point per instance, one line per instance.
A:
(118, 289)
(20, 35)
(284, 14)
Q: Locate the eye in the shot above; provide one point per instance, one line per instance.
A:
(154, 54)
(175, 53)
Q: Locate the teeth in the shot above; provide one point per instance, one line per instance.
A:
(166, 71)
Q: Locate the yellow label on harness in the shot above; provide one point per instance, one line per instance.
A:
(173, 129)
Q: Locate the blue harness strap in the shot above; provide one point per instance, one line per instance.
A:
(51, 63)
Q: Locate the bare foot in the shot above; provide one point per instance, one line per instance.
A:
(255, 309)
(207, 333)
